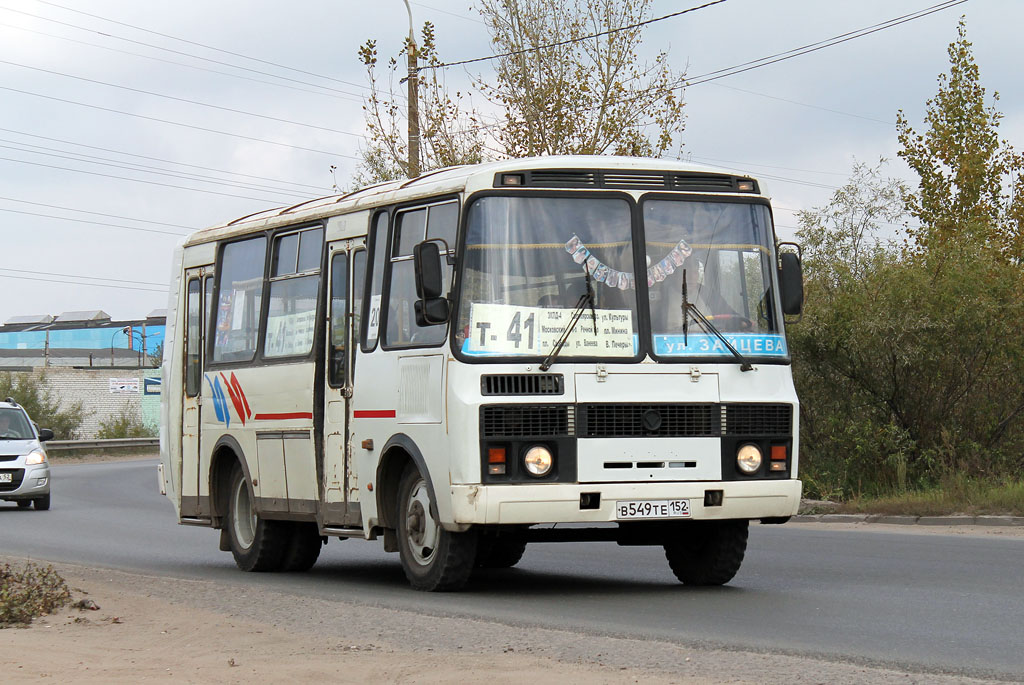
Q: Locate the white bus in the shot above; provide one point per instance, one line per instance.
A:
(459, 363)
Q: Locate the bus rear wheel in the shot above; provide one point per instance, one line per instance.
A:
(256, 543)
(708, 552)
(304, 543)
(434, 559)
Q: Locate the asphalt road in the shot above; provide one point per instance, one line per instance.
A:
(920, 602)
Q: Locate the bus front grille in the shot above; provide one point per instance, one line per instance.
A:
(518, 421)
(522, 384)
(648, 420)
(759, 419)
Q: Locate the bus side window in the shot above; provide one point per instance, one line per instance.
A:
(411, 228)
(240, 296)
(294, 286)
(193, 336)
(339, 320)
(378, 247)
(358, 287)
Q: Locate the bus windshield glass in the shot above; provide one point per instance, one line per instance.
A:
(724, 251)
(527, 262)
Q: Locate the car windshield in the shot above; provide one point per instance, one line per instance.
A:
(527, 261)
(724, 251)
(14, 426)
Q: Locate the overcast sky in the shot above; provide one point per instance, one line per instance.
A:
(803, 120)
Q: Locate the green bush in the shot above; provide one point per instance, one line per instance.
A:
(126, 424)
(39, 401)
(29, 593)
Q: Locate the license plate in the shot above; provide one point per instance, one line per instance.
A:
(6, 477)
(652, 509)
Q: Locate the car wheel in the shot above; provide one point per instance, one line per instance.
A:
(707, 553)
(24, 503)
(304, 543)
(433, 558)
(42, 503)
(256, 543)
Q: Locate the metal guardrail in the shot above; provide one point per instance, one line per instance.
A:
(117, 443)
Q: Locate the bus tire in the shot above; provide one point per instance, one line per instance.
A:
(501, 551)
(708, 554)
(256, 543)
(434, 559)
(304, 543)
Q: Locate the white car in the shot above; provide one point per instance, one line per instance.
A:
(24, 468)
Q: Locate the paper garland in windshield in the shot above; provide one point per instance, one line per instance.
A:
(626, 280)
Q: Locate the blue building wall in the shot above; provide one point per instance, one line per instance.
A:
(84, 339)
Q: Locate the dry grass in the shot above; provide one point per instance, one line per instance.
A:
(956, 496)
(30, 592)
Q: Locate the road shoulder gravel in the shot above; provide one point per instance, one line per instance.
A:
(159, 628)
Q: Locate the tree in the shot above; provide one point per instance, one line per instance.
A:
(843, 240)
(554, 95)
(561, 95)
(963, 166)
(38, 400)
(449, 130)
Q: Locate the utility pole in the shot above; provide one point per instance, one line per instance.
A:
(414, 101)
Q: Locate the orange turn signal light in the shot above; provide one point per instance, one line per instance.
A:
(778, 453)
(496, 455)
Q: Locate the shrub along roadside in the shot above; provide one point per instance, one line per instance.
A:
(30, 592)
(954, 496)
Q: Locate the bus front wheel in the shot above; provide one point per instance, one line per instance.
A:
(434, 559)
(708, 552)
(256, 543)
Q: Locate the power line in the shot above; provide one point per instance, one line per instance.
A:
(185, 100)
(804, 104)
(131, 166)
(84, 211)
(158, 159)
(95, 285)
(94, 223)
(820, 45)
(136, 180)
(207, 47)
(90, 278)
(184, 54)
(348, 98)
(451, 14)
(445, 65)
(178, 123)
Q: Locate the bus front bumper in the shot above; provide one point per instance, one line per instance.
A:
(563, 503)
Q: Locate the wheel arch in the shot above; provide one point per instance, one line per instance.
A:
(226, 453)
(398, 452)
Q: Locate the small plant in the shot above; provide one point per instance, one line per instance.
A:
(126, 424)
(30, 592)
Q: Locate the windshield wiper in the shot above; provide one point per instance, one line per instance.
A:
(691, 309)
(586, 298)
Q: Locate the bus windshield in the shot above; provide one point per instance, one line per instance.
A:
(723, 250)
(528, 261)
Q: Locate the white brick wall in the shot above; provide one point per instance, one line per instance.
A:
(92, 388)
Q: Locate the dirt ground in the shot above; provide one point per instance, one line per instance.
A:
(151, 628)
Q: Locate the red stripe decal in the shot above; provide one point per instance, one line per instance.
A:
(241, 393)
(374, 414)
(280, 417)
(235, 399)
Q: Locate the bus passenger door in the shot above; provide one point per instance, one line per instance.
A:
(192, 397)
(347, 274)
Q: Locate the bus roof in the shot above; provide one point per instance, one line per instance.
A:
(574, 171)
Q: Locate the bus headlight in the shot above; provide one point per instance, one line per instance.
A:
(748, 458)
(538, 461)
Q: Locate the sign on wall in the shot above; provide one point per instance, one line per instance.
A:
(124, 386)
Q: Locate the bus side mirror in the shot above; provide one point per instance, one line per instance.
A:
(791, 284)
(432, 307)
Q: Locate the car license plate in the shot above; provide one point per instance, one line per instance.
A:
(652, 509)
(6, 477)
